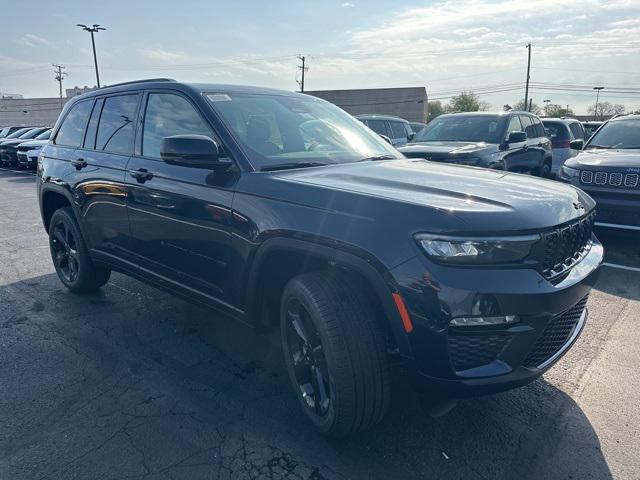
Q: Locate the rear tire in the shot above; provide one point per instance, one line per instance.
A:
(544, 171)
(340, 373)
(70, 256)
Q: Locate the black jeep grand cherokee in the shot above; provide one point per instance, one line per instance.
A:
(279, 208)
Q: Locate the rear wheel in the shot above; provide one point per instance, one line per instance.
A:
(544, 171)
(335, 353)
(70, 256)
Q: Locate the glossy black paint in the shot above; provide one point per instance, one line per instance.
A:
(516, 153)
(208, 234)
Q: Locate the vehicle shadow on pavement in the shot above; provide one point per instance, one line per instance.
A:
(132, 382)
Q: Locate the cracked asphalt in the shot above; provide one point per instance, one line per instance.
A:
(134, 383)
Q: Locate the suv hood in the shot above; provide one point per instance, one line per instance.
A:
(442, 150)
(606, 159)
(483, 199)
(34, 143)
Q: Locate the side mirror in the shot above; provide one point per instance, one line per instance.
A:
(386, 139)
(197, 151)
(411, 136)
(516, 137)
(576, 144)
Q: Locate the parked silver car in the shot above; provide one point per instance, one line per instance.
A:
(567, 137)
(396, 129)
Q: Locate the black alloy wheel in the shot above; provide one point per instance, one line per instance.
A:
(64, 252)
(306, 353)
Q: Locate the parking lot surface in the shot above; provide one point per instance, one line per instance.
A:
(135, 383)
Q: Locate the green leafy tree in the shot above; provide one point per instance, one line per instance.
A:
(535, 108)
(466, 102)
(555, 110)
(435, 109)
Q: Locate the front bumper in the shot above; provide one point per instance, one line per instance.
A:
(466, 361)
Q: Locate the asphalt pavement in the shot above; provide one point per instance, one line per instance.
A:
(134, 383)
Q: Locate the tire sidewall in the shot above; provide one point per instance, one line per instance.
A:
(296, 291)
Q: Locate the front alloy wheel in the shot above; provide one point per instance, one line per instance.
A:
(307, 357)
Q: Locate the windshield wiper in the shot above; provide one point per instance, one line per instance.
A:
(600, 146)
(378, 157)
(290, 165)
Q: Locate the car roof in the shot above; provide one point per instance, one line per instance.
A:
(629, 116)
(566, 121)
(193, 87)
(373, 116)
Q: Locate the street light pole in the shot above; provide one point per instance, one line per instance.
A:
(93, 29)
(546, 106)
(597, 89)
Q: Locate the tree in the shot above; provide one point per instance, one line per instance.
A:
(606, 109)
(535, 108)
(466, 102)
(434, 109)
(555, 110)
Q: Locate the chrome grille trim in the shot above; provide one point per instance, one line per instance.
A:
(613, 179)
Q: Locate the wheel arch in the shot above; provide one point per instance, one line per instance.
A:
(279, 259)
(53, 198)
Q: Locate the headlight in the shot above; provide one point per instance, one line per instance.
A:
(568, 174)
(477, 250)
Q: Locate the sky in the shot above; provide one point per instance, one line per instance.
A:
(446, 46)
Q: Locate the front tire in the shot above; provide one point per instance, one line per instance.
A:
(335, 353)
(70, 256)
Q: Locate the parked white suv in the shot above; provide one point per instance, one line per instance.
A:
(567, 137)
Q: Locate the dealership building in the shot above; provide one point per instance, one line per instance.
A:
(409, 103)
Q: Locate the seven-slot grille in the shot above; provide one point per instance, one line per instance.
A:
(555, 335)
(612, 179)
(565, 246)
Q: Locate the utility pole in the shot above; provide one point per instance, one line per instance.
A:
(93, 29)
(526, 91)
(303, 69)
(59, 76)
(597, 89)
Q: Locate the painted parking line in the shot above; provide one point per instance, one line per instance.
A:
(22, 172)
(621, 267)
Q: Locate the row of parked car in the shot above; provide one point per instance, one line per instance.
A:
(602, 158)
(20, 146)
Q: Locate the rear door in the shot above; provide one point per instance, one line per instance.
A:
(515, 159)
(100, 172)
(399, 134)
(180, 216)
(380, 127)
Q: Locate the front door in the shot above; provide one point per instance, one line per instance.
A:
(180, 216)
(516, 157)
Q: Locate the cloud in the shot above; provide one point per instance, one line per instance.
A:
(163, 56)
(31, 40)
(347, 5)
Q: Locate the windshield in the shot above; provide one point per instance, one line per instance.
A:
(44, 135)
(460, 128)
(30, 134)
(617, 134)
(283, 129)
(17, 133)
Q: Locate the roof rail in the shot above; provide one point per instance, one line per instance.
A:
(146, 80)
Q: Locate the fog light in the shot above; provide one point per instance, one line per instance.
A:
(483, 321)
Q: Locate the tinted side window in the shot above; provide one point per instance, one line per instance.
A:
(378, 126)
(538, 126)
(92, 129)
(527, 123)
(72, 128)
(576, 129)
(397, 130)
(169, 114)
(514, 125)
(116, 126)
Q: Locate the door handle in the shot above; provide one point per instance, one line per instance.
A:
(141, 175)
(79, 163)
